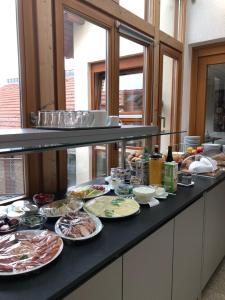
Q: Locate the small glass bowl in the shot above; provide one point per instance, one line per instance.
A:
(33, 221)
(124, 190)
(43, 198)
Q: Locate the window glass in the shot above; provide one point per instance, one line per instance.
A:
(131, 83)
(80, 169)
(215, 102)
(168, 100)
(137, 7)
(11, 168)
(169, 17)
(85, 49)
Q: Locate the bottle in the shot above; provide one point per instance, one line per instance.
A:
(155, 167)
(169, 157)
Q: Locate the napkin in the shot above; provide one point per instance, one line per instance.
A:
(153, 202)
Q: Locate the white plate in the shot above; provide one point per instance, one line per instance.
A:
(38, 267)
(90, 202)
(45, 209)
(98, 225)
(80, 188)
(182, 184)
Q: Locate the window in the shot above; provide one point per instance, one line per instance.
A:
(170, 11)
(137, 7)
(11, 167)
(81, 53)
(169, 96)
(131, 82)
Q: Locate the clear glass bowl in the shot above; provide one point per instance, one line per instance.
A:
(124, 190)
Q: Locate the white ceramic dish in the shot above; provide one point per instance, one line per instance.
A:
(50, 211)
(102, 200)
(38, 267)
(81, 188)
(98, 225)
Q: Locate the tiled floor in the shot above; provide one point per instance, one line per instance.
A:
(215, 289)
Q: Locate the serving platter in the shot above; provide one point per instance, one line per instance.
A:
(96, 220)
(86, 192)
(59, 208)
(29, 257)
(112, 207)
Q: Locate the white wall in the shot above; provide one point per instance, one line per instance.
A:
(206, 20)
(205, 24)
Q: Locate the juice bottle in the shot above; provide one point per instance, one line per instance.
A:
(155, 167)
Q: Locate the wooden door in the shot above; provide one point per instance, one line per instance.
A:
(207, 94)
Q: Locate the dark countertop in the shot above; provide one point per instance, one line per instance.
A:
(79, 261)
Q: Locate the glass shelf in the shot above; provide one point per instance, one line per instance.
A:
(36, 140)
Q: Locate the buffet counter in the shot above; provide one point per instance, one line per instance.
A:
(81, 261)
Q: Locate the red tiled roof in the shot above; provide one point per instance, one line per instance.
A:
(10, 103)
(10, 106)
(70, 94)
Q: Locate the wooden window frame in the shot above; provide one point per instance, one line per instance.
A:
(176, 103)
(98, 12)
(130, 63)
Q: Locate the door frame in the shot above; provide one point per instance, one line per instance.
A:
(201, 57)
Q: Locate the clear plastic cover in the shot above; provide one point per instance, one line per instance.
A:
(198, 164)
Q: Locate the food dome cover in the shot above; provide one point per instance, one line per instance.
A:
(197, 164)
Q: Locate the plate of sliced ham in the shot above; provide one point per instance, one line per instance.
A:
(78, 226)
(28, 250)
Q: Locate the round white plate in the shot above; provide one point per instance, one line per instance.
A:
(38, 267)
(98, 225)
(44, 210)
(80, 188)
(90, 202)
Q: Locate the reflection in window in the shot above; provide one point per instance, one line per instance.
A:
(85, 47)
(131, 83)
(169, 17)
(215, 101)
(168, 99)
(81, 170)
(81, 52)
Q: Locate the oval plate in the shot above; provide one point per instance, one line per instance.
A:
(98, 224)
(108, 199)
(81, 188)
(38, 232)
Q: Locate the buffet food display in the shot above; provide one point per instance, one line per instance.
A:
(23, 250)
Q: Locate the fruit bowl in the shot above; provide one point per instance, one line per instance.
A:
(43, 198)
